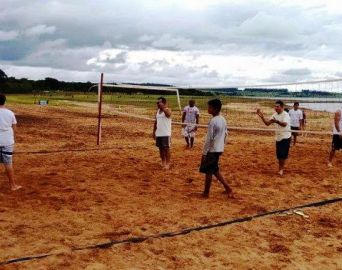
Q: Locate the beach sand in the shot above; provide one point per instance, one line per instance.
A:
(76, 199)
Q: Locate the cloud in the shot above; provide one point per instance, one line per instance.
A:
(109, 56)
(168, 41)
(292, 75)
(8, 35)
(39, 30)
(268, 26)
(297, 72)
(160, 66)
(338, 74)
(238, 41)
(58, 54)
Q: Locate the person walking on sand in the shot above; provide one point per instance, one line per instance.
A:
(282, 122)
(337, 136)
(190, 118)
(7, 126)
(297, 119)
(162, 131)
(214, 147)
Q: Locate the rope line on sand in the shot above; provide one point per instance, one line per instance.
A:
(134, 240)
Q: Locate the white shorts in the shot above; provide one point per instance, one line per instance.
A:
(189, 131)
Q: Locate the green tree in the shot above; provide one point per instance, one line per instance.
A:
(3, 76)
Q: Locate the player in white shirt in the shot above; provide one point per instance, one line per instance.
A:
(337, 136)
(162, 131)
(297, 119)
(7, 126)
(281, 119)
(214, 147)
(190, 118)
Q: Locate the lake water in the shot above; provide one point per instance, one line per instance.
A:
(325, 107)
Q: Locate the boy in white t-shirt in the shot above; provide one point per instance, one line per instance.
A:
(7, 126)
(190, 118)
(214, 147)
(297, 119)
(162, 131)
(282, 120)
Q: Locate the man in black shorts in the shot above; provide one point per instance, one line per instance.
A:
(281, 119)
(214, 147)
(337, 136)
(162, 131)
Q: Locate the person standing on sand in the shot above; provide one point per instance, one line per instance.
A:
(7, 126)
(214, 147)
(304, 122)
(190, 118)
(162, 131)
(297, 119)
(282, 122)
(337, 136)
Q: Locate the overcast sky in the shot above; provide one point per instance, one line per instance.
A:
(180, 42)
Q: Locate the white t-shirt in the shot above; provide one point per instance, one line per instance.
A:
(282, 132)
(190, 114)
(7, 119)
(296, 117)
(217, 132)
(163, 125)
(340, 124)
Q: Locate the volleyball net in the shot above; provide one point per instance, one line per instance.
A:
(318, 100)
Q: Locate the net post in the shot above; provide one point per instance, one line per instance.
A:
(179, 102)
(99, 118)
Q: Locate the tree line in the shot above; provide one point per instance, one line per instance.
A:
(11, 85)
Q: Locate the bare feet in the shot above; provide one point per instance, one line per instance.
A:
(330, 165)
(229, 193)
(167, 167)
(15, 187)
(281, 172)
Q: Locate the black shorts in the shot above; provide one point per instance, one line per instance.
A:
(283, 148)
(295, 133)
(336, 142)
(163, 142)
(210, 164)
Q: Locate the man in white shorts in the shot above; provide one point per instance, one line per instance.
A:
(7, 126)
(297, 119)
(162, 131)
(190, 119)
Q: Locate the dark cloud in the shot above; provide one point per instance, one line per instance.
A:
(297, 72)
(70, 35)
(292, 75)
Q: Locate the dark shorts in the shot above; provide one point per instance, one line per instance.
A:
(336, 142)
(163, 142)
(6, 153)
(283, 148)
(295, 133)
(211, 163)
